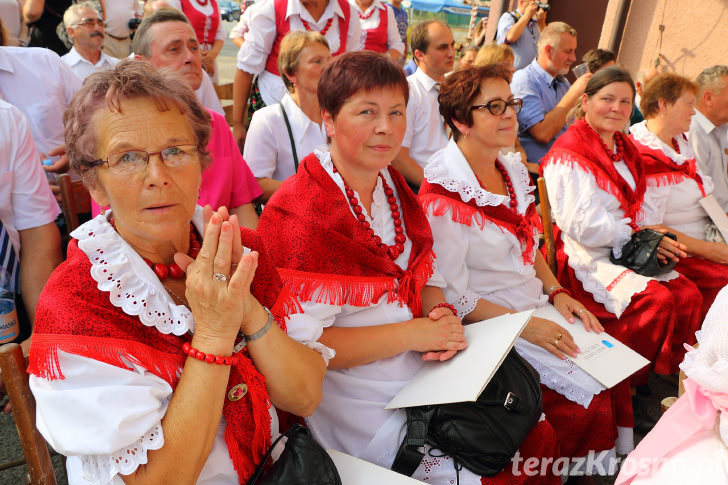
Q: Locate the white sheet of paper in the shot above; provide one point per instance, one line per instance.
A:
(464, 377)
(602, 356)
(716, 214)
(354, 471)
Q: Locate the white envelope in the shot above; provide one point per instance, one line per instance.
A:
(602, 356)
(464, 377)
(716, 214)
(354, 471)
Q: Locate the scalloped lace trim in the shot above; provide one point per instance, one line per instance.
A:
(466, 303)
(130, 283)
(437, 172)
(643, 135)
(102, 469)
(556, 382)
(621, 240)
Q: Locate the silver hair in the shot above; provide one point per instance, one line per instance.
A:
(73, 13)
(713, 78)
(551, 35)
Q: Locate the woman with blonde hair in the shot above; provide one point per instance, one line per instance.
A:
(493, 53)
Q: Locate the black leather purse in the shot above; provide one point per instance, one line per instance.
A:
(640, 253)
(303, 462)
(483, 435)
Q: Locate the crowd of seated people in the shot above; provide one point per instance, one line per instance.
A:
(179, 332)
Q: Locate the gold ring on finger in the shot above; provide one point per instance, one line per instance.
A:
(556, 343)
(559, 337)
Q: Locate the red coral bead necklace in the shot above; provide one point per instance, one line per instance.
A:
(395, 249)
(509, 185)
(325, 29)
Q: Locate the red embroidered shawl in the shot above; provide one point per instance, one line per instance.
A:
(663, 170)
(581, 145)
(75, 317)
(524, 226)
(318, 244)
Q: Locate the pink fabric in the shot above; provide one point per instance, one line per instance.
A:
(227, 180)
(695, 411)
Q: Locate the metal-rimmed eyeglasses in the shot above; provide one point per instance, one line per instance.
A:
(135, 161)
(90, 22)
(498, 106)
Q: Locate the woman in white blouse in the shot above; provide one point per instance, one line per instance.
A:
(353, 245)
(139, 370)
(281, 135)
(482, 213)
(596, 188)
(675, 184)
(258, 56)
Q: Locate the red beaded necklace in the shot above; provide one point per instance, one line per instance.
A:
(202, 3)
(509, 185)
(396, 249)
(173, 270)
(676, 146)
(325, 29)
(364, 17)
(619, 154)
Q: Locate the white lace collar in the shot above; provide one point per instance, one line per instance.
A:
(131, 284)
(449, 169)
(643, 135)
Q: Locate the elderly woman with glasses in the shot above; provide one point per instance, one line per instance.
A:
(159, 348)
(481, 209)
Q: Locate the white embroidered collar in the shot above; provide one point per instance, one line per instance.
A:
(449, 169)
(131, 284)
(643, 135)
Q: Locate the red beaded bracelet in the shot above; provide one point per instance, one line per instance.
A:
(447, 305)
(209, 358)
(553, 294)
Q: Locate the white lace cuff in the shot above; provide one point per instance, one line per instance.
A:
(624, 234)
(102, 469)
(466, 303)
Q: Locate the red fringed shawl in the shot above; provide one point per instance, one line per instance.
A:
(75, 317)
(525, 227)
(318, 245)
(581, 145)
(663, 170)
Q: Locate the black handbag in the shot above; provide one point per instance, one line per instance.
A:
(303, 462)
(483, 435)
(640, 253)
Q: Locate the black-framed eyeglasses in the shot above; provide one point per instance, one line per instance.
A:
(135, 161)
(498, 106)
(90, 22)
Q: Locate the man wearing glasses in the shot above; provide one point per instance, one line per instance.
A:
(87, 31)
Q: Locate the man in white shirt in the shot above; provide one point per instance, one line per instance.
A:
(433, 48)
(708, 128)
(27, 211)
(86, 30)
(117, 14)
(41, 86)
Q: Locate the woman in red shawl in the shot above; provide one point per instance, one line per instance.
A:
(596, 187)
(675, 184)
(142, 372)
(353, 245)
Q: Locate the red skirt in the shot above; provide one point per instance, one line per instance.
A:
(541, 444)
(708, 276)
(581, 430)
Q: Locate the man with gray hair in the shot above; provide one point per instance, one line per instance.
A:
(709, 129)
(547, 95)
(86, 30)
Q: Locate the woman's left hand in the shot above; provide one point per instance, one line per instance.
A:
(569, 307)
(208, 62)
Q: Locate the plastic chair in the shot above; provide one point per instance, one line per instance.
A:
(224, 93)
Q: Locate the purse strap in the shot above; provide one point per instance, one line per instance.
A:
(261, 467)
(409, 456)
(290, 135)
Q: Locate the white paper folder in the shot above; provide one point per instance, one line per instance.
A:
(354, 471)
(464, 377)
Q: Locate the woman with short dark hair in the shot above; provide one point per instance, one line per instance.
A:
(353, 245)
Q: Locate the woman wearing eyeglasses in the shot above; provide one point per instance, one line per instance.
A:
(481, 209)
(153, 354)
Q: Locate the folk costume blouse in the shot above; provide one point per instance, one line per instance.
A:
(675, 184)
(597, 203)
(379, 27)
(481, 254)
(341, 278)
(106, 357)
